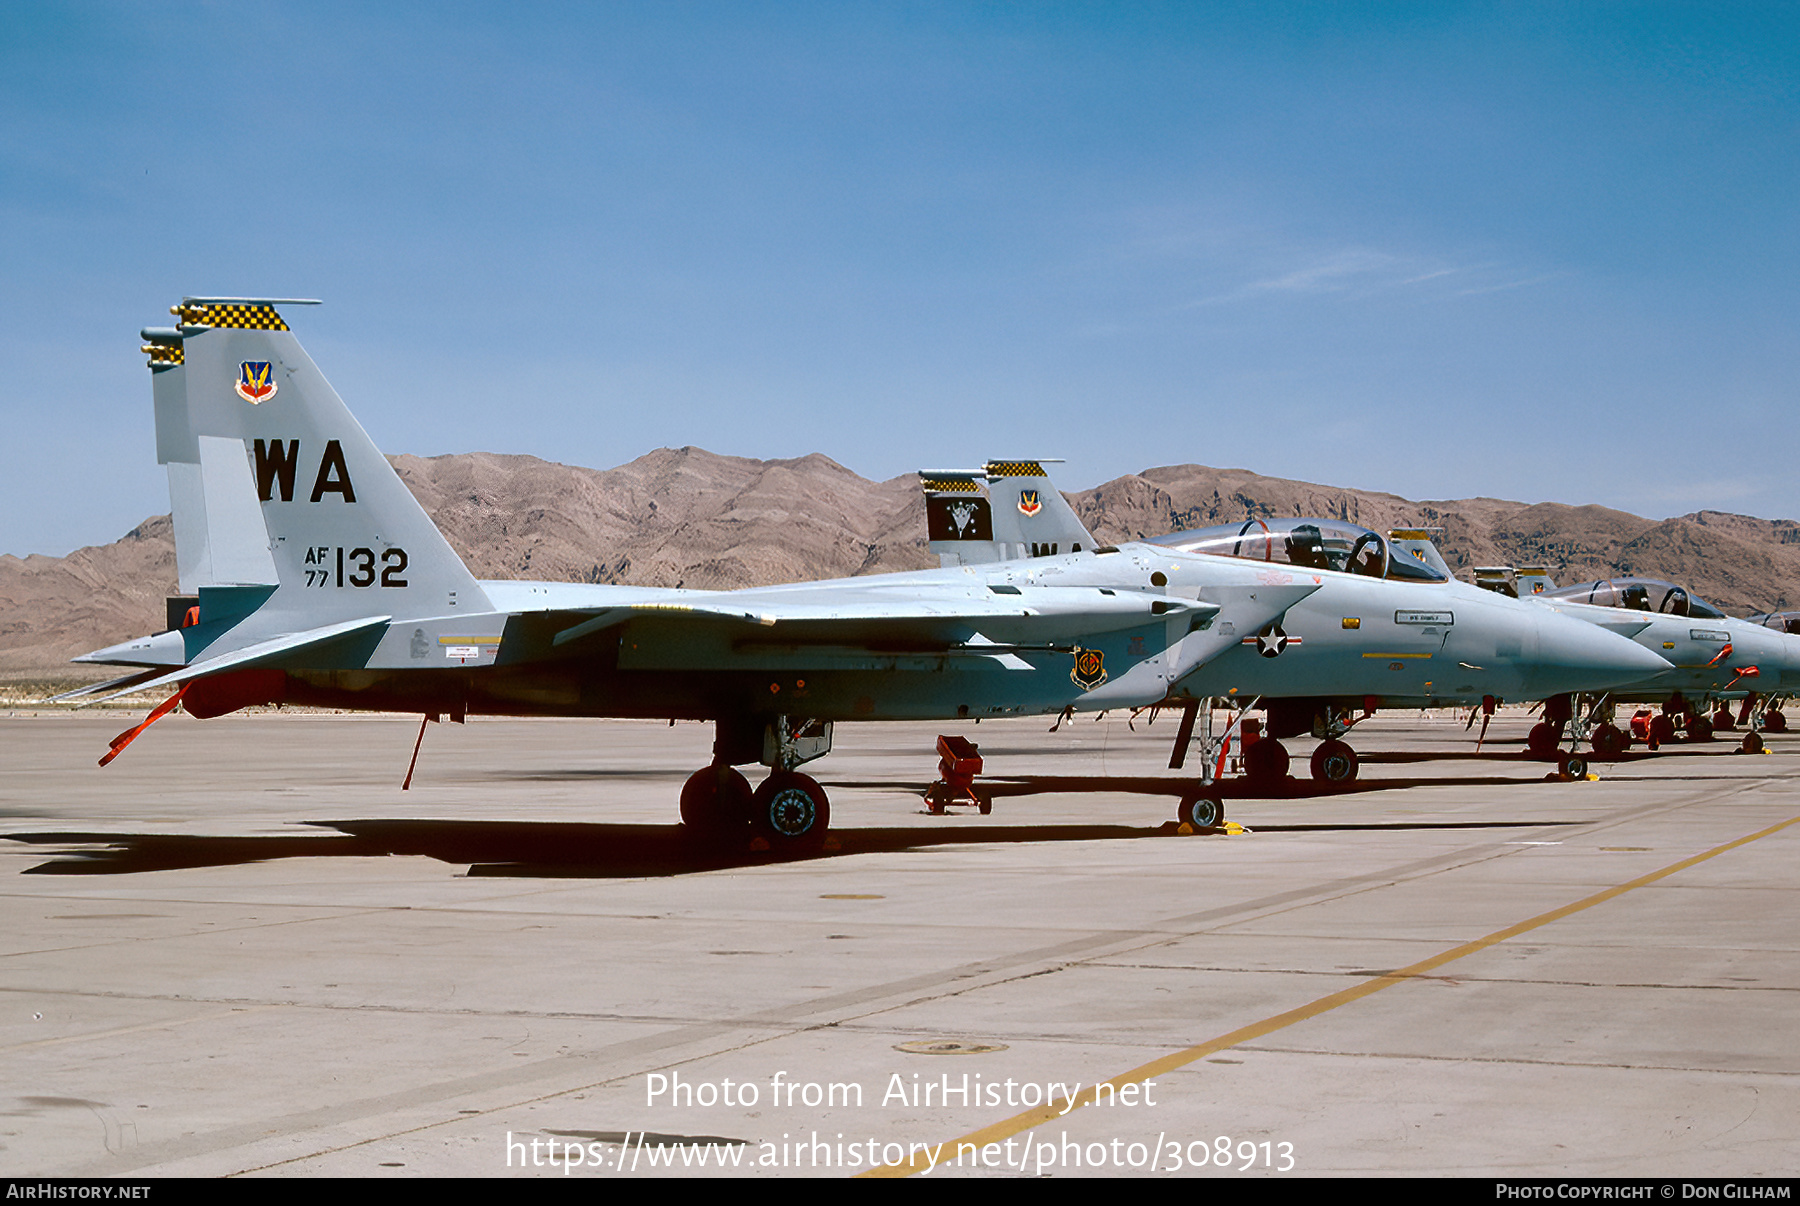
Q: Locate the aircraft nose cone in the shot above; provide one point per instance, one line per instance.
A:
(1573, 655)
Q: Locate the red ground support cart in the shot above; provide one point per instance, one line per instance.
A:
(959, 761)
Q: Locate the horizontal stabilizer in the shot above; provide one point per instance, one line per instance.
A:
(262, 652)
(124, 685)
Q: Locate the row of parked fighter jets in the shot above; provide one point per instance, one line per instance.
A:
(310, 575)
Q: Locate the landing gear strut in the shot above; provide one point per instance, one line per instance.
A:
(1564, 714)
(1203, 807)
(790, 811)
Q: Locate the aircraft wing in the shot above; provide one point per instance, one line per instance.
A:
(1035, 614)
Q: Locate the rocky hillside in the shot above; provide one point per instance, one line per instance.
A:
(687, 517)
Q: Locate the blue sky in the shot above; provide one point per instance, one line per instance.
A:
(1526, 251)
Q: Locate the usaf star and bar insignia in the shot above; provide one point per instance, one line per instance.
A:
(1271, 640)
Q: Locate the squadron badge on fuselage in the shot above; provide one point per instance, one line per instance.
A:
(1090, 669)
(256, 381)
(1029, 503)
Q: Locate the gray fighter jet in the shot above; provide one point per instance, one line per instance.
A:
(1713, 658)
(310, 575)
(1382, 630)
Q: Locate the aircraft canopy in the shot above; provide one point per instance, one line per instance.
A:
(1639, 594)
(1316, 544)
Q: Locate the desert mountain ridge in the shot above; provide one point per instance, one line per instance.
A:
(689, 517)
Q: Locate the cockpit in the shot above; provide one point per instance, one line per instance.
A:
(1639, 594)
(1313, 544)
(1780, 621)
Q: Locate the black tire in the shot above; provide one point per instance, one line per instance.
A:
(1662, 731)
(1334, 762)
(791, 812)
(1541, 741)
(1753, 742)
(1699, 728)
(984, 805)
(1573, 765)
(1202, 812)
(1609, 741)
(1774, 722)
(715, 801)
(1266, 761)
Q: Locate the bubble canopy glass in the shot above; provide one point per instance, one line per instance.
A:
(1314, 544)
(1639, 594)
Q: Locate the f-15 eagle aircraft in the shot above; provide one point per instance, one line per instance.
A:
(1381, 631)
(310, 575)
(1712, 656)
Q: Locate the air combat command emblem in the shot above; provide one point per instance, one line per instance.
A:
(256, 381)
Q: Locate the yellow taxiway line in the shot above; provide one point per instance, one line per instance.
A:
(1035, 1117)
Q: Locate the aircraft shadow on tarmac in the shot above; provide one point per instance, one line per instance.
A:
(600, 850)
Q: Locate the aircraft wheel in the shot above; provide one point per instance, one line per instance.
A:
(1202, 812)
(715, 801)
(1266, 761)
(1662, 731)
(1699, 729)
(791, 811)
(984, 805)
(1774, 722)
(1541, 741)
(1608, 741)
(1334, 762)
(1573, 765)
(1753, 742)
(1722, 721)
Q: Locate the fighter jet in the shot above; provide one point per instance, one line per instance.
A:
(1713, 657)
(310, 575)
(1381, 630)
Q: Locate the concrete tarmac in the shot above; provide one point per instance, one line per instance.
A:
(240, 949)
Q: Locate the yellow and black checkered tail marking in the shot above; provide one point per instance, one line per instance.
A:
(163, 353)
(948, 485)
(1015, 469)
(240, 315)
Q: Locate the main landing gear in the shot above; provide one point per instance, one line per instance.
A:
(1333, 761)
(789, 811)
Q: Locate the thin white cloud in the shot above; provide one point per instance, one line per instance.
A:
(1343, 270)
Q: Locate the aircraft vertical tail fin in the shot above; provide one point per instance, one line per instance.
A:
(273, 484)
(1031, 513)
(1021, 514)
(1533, 580)
(959, 521)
